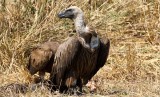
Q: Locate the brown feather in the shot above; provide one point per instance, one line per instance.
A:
(63, 58)
(79, 58)
(42, 57)
(102, 56)
(73, 62)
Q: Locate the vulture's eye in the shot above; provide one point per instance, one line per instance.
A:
(68, 10)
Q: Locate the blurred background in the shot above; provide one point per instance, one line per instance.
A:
(133, 27)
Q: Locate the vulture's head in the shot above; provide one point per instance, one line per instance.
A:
(71, 12)
(87, 36)
(31, 69)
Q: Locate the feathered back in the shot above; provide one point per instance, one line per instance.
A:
(42, 57)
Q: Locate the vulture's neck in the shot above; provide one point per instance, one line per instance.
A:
(80, 24)
(81, 28)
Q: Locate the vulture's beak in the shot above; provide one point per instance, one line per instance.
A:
(66, 14)
(31, 69)
(61, 15)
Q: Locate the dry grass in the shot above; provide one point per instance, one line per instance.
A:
(133, 26)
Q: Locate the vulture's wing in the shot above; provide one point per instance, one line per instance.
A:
(65, 54)
(102, 56)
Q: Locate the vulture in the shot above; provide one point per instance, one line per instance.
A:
(79, 58)
(41, 59)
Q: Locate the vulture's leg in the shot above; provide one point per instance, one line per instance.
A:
(75, 86)
(71, 83)
(42, 74)
(79, 84)
(63, 89)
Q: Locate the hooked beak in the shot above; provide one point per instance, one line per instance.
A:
(66, 14)
(61, 15)
(31, 69)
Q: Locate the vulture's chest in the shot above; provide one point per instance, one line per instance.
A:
(86, 62)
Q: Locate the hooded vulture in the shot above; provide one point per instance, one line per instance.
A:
(79, 58)
(41, 59)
